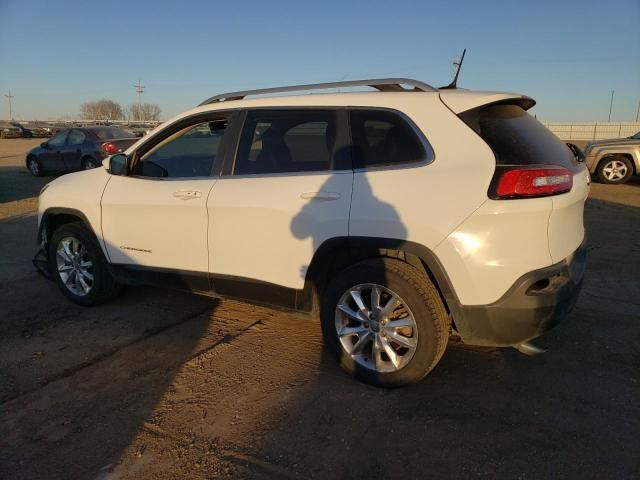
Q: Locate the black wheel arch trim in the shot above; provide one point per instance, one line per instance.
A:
(52, 212)
(338, 253)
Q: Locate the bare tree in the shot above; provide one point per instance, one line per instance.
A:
(144, 113)
(103, 109)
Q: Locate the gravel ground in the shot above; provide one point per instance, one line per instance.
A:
(159, 384)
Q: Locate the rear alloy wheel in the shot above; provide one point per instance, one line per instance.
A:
(384, 321)
(615, 170)
(34, 166)
(376, 328)
(78, 265)
(89, 164)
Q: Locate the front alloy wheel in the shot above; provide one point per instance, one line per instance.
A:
(376, 327)
(75, 268)
(33, 166)
(615, 170)
(78, 265)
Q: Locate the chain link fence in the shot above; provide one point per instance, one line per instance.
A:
(593, 130)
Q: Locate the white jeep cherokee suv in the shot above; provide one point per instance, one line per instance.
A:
(399, 216)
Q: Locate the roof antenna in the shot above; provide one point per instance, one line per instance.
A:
(454, 82)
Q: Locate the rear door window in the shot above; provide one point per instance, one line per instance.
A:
(76, 137)
(287, 141)
(517, 138)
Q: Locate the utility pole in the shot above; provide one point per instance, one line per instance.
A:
(139, 90)
(10, 110)
(611, 104)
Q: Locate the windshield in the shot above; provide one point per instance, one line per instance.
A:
(636, 136)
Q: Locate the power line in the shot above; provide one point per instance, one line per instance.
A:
(10, 110)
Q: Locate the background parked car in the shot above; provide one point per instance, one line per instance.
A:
(55, 127)
(615, 160)
(24, 131)
(7, 130)
(140, 129)
(39, 129)
(75, 149)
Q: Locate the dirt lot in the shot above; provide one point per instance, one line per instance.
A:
(167, 385)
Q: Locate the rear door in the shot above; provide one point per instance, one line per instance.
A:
(72, 150)
(288, 191)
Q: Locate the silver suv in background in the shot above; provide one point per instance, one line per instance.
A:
(615, 160)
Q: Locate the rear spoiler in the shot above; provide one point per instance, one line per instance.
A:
(463, 100)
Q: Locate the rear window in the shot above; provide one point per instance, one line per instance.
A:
(111, 133)
(517, 138)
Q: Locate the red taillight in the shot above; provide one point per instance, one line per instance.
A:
(534, 182)
(109, 148)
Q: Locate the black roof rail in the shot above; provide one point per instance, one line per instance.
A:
(380, 84)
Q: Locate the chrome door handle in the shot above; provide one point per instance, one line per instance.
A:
(320, 196)
(187, 194)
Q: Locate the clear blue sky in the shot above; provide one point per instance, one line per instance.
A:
(568, 55)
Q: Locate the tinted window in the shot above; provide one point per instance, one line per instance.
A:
(383, 138)
(286, 141)
(110, 133)
(76, 137)
(517, 138)
(188, 153)
(58, 139)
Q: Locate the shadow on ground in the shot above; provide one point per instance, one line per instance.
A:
(16, 183)
(167, 385)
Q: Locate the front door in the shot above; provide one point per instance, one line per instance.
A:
(288, 191)
(155, 218)
(51, 158)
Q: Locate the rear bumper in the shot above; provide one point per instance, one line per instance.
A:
(536, 302)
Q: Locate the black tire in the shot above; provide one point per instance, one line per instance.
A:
(89, 163)
(608, 163)
(34, 166)
(103, 286)
(422, 298)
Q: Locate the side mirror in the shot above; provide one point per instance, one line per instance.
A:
(44, 145)
(117, 164)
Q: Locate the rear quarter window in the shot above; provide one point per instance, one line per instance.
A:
(384, 138)
(517, 138)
